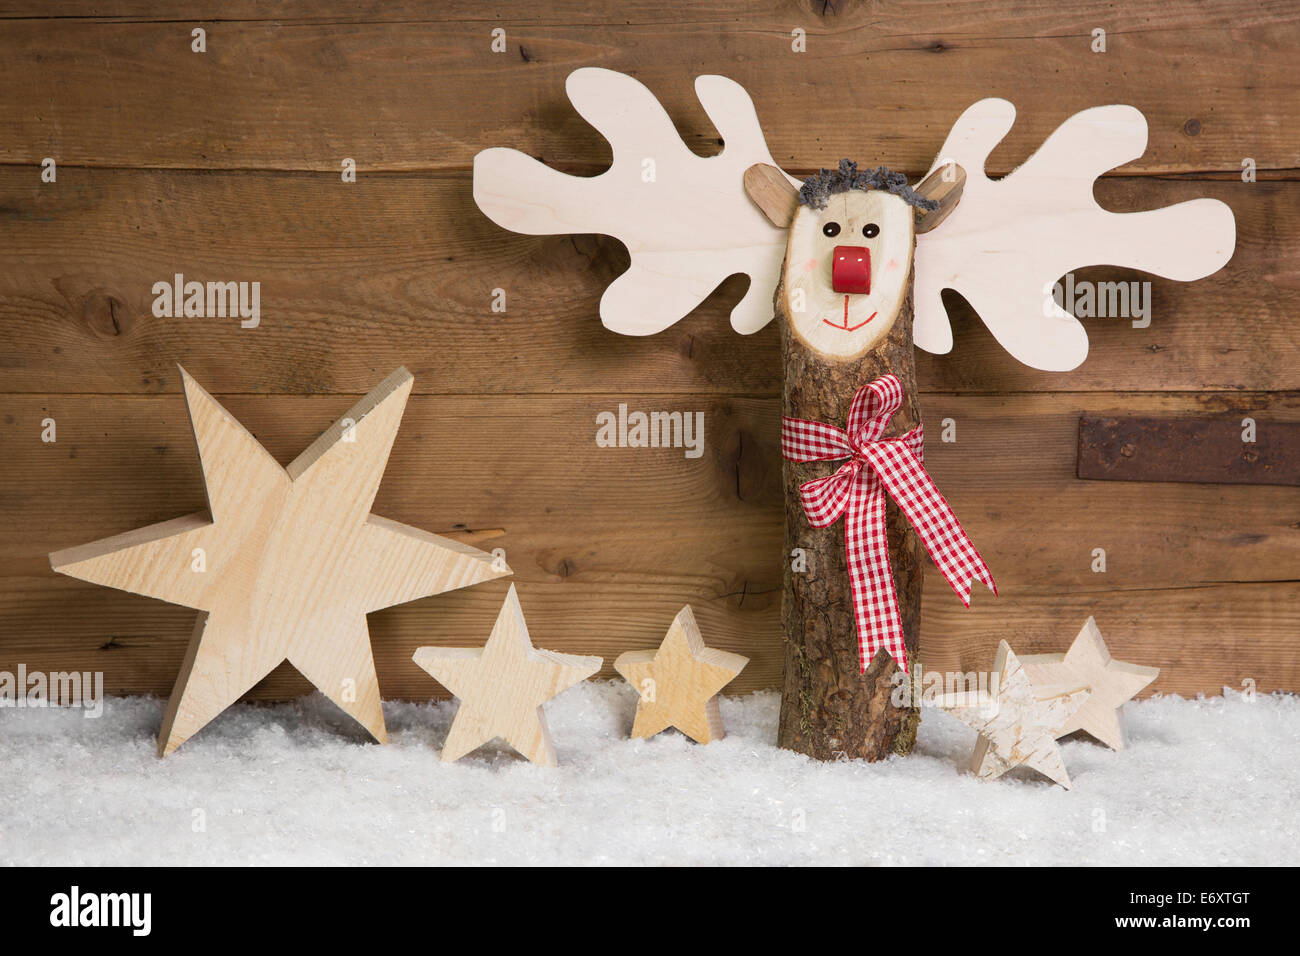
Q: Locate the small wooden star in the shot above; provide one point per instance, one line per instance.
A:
(679, 682)
(502, 687)
(285, 564)
(1112, 683)
(1015, 726)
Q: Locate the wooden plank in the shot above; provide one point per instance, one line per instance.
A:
(1034, 16)
(608, 544)
(408, 265)
(404, 93)
(1011, 476)
(125, 461)
(1203, 639)
(1188, 449)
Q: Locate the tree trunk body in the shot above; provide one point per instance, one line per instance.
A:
(829, 708)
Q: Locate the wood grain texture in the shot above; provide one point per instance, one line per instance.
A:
(225, 166)
(407, 265)
(1010, 240)
(389, 87)
(284, 564)
(1018, 722)
(611, 542)
(1111, 684)
(943, 185)
(772, 193)
(1195, 635)
(678, 682)
(685, 230)
(833, 704)
(503, 687)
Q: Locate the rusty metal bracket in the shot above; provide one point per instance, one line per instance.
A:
(1188, 449)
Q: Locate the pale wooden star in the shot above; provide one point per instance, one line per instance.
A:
(679, 682)
(502, 687)
(1111, 682)
(285, 564)
(1015, 726)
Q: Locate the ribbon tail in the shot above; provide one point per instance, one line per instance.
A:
(958, 560)
(917, 496)
(871, 579)
(960, 581)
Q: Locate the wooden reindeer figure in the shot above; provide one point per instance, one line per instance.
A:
(853, 264)
(844, 303)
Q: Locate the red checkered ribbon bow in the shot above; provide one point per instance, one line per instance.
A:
(857, 490)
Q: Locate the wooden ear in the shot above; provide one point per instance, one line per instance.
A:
(944, 186)
(772, 193)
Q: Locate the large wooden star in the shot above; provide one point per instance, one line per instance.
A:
(1016, 725)
(679, 682)
(1112, 683)
(285, 564)
(502, 687)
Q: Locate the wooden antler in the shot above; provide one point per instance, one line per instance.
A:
(685, 219)
(688, 225)
(1010, 240)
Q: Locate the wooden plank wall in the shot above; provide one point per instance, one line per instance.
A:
(225, 165)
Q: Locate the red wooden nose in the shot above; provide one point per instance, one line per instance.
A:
(851, 269)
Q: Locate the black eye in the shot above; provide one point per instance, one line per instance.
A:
(831, 229)
(871, 230)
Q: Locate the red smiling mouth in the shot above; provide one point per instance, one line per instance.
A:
(846, 327)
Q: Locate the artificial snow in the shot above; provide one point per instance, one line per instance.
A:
(1210, 781)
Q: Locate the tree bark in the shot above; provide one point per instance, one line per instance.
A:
(829, 708)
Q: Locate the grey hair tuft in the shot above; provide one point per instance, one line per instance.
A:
(818, 189)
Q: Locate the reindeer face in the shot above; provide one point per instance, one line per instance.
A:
(846, 271)
(848, 264)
